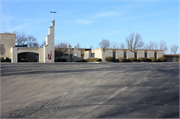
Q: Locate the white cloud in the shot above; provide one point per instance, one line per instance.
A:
(106, 14)
(84, 21)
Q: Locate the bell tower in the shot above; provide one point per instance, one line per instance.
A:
(49, 47)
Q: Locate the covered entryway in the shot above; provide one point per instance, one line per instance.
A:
(28, 57)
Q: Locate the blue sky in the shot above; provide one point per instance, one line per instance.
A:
(90, 21)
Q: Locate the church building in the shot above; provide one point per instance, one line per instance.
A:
(49, 54)
(20, 53)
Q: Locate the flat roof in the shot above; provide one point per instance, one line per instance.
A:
(171, 55)
(7, 33)
(128, 49)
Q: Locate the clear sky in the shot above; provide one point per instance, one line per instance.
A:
(90, 21)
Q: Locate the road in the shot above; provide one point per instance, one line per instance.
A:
(90, 90)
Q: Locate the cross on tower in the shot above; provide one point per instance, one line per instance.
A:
(53, 14)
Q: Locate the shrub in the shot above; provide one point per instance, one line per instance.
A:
(162, 59)
(87, 60)
(95, 60)
(2, 59)
(150, 59)
(82, 60)
(110, 59)
(132, 59)
(155, 60)
(122, 59)
(143, 59)
(61, 60)
(91, 60)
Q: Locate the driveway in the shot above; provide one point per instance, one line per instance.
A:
(90, 90)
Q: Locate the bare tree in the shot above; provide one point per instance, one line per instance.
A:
(61, 49)
(163, 46)
(91, 47)
(114, 45)
(21, 38)
(104, 44)
(174, 48)
(43, 43)
(35, 44)
(31, 40)
(77, 46)
(151, 45)
(122, 46)
(133, 41)
(61, 45)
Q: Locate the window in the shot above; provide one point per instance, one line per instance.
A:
(155, 55)
(114, 55)
(82, 57)
(124, 54)
(146, 54)
(92, 55)
(135, 55)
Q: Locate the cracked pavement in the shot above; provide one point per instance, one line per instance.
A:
(90, 90)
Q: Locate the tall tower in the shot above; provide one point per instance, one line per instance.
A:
(49, 47)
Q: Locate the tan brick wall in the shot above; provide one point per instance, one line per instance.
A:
(119, 53)
(17, 50)
(78, 52)
(130, 54)
(98, 53)
(7, 41)
(106, 53)
(159, 54)
(150, 53)
(87, 54)
(140, 53)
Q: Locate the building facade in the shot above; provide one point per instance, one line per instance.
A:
(48, 53)
(172, 57)
(70, 54)
(16, 53)
(126, 53)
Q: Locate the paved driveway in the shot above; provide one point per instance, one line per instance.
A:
(90, 90)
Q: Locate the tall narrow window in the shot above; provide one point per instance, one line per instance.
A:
(146, 54)
(135, 55)
(114, 55)
(155, 55)
(124, 54)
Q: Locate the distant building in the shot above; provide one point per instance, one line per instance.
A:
(126, 53)
(172, 57)
(70, 54)
(22, 53)
(48, 53)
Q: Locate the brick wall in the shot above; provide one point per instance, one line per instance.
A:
(140, 53)
(78, 53)
(98, 53)
(130, 54)
(87, 54)
(150, 54)
(7, 40)
(119, 53)
(160, 53)
(106, 53)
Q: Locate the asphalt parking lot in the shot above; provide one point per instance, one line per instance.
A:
(90, 90)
